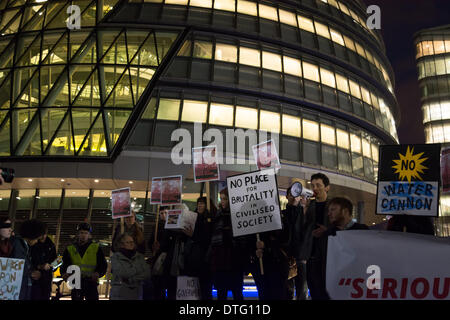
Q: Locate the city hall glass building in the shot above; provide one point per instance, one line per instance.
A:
(433, 65)
(86, 111)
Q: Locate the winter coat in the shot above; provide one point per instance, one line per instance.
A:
(43, 253)
(128, 276)
(134, 230)
(21, 250)
(308, 239)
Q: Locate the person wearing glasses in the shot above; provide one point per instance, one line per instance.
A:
(129, 270)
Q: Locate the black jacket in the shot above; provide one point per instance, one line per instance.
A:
(308, 227)
(43, 253)
(294, 224)
(21, 250)
(101, 266)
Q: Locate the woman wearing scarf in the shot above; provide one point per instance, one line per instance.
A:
(129, 270)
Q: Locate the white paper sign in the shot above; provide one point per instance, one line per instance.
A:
(408, 266)
(254, 202)
(11, 271)
(188, 288)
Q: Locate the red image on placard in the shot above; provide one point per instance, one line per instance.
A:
(171, 190)
(155, 197)
(206, 167)
(120, 203)
(266, 155)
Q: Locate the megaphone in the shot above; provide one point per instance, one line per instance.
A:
(298, 190)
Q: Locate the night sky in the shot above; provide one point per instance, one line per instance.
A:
(400, 19)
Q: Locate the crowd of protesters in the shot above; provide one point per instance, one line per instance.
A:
(293, 258)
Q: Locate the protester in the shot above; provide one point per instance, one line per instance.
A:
(132, 227)
(5, 238)
(129, 270)
(43, 254)
(413, 224)
(228, 256)
(196, 248)
(29, 233)
(91, 260)
(294, 213)
(314, 249)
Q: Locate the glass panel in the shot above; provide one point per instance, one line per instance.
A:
(185, 50)
(305, 24)
(122, 95)
(201, 3)
(342, 139)
(356, 143)
(149, 112)
(5, 139)
(221, 114)
(82, 120)
(194, 111)
(366, 148)
(90, 96)
(337, 37)
(349, 43)
(226, 52)
(327, 134)
(247, 7)
(292, 66)
(269, 121)
(182, 2)
(360, 50)
(147, 54)
(354, 89)
(63, 143)
(203, 49)
(310, 130)
(322, 30)
(249, 57)
(227, 5)
(366, 95)
(327, 78)
(168, 109)
(271, 61)
(268, 12)
(374, 152)
(246, 118)
(140, 77)
(50, 119)
(116, 120)
(95, 144)
(311, 71)
(287, 17)
(291, 126)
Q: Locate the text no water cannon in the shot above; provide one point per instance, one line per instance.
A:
(297, 190)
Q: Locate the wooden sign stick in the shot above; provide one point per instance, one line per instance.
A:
(156, 224)
(260, 259)
(122, 226)
(208, 204)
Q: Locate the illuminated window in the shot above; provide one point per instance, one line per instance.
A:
(438, 133)
(322, 30)
(327, 134)
(203, 49)
(354, 89)
(355, 143)
(310, 130)
(440, 66)
(268, 12)
(365, 95)
(287, 17)
(349, 43)
(327, 78)
(375, 101)
(194, 111)
(310, 71)
(333, 3)
(370, 57)
(291, 126)
(226, 52)
(168, 109)
(360, 50)
(344, 8)
(269, 121)
(439, 47)
(337, 37)
(342, 139)
(247, 7)
(292, 66)
(342, 83)
(271, 61)
(246, 118)
(182, 2)
(419, 52)
(249, 57)
(374, 152)
(221, 114)
(435, 111)
(366, 148)
(201, 3)
(305, 24)
(225, 5)
(185, 50)
(427, 47)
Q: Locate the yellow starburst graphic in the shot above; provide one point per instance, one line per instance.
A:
(409, 165)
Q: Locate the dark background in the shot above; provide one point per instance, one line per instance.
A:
(400, 19)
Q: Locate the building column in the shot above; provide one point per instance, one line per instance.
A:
(60, 217)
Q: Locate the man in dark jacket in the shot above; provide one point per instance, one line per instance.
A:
(43, 254)
(29, 233)
(295, 220)
(89, 257)
(314, 248)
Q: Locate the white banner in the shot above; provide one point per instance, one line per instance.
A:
(11, 271)
(254, 202)
(387, 265)
(188, 288)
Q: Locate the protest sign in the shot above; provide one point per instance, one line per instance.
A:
(155, 193)
(445, 170)
(11, 278)
(385, 265)
(266, 155)
(408, 180)
(121, 203)
(254, 202)
(206, 164)
(171, 190)
(181, 219)
(173, 219)
(188, 288)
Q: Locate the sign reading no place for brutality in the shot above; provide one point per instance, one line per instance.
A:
(254, 202)
(408, 180)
